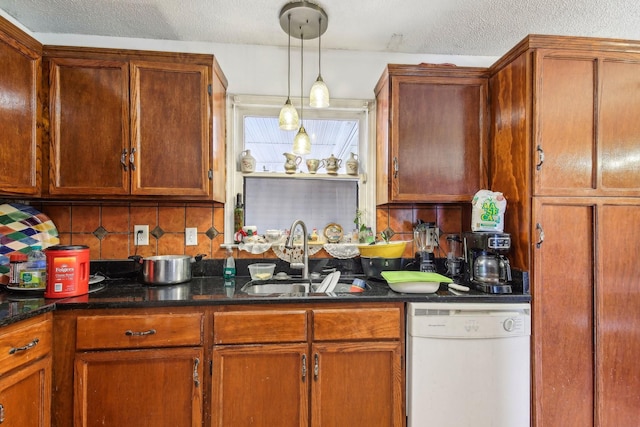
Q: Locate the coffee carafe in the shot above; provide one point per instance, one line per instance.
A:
(486, 266)
(426, 236)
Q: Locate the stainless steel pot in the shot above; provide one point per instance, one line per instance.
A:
(167, 269)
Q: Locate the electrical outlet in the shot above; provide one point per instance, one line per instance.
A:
(141, 235)
(191, 236)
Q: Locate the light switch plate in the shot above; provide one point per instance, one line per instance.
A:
(191, 236)
(141, 235)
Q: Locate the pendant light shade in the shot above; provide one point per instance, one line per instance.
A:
(302, 142)
(288, 119)
(319, 95)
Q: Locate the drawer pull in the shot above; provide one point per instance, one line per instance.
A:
(131, 333)
(24, 347)
(540, 235)
(123, 159)
(316, 366)
(1, 413)
(304, 367)
(395, 167)
(540, 157)
(132, 159)
(196, 377)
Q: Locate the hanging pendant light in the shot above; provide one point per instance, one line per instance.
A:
(319, 95)
(301, 142)
(288, 119)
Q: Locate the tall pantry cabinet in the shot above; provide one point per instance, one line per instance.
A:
(565, 151)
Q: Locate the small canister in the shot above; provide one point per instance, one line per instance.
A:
(67, 271)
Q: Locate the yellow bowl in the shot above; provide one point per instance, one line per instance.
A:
(383, 250)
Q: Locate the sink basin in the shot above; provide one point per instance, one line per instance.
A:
(270, 288)
(291, 286)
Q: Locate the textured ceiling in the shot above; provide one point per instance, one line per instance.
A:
(463, 27)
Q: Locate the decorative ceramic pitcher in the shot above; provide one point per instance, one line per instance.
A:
(292, 162)
(352, 164)
(247, 162)
(332, 164)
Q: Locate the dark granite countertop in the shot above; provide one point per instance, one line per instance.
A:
(203, 291)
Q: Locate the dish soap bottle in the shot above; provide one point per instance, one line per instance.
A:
(229, 268)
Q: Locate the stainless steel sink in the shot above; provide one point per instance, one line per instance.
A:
(270, 288)
(290, 286)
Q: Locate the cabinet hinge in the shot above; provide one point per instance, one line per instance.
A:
(209, 90)
(210, 174)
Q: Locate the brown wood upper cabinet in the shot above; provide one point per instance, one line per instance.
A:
(20, 112)
(432, 130)
(586, 106)
(135, 123)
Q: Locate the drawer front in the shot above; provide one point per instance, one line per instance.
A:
(260, 327)
(138, 331)
(355, 324)
(24, 342)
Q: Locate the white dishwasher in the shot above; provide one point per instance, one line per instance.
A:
(468, 365)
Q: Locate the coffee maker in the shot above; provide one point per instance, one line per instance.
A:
(487, 268)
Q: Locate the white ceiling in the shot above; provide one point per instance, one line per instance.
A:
(450, 27)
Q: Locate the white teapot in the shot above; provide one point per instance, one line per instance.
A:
(332, 164)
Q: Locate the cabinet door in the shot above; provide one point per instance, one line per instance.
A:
(20, 117)
(89, 109)
(260, 385)
(151, 388)
(25, 396)
(438, 132)
(357, 384)
(170, 129)
(618, 315)
(619, 127)
(562, 294)
(564, 144)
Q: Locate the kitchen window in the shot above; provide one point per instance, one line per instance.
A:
(274, 198)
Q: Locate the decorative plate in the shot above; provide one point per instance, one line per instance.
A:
(22, 227)
(333, 232)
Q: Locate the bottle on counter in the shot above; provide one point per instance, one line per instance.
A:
(17, 263)
(229, 267)
(238, 214)
(34, 274)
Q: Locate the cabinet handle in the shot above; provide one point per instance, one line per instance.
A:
(395, 167)
(196, 377)
(304, 367)
(316, 366)
(131, 333)
(540, 235)
(123, 159)
(540, 157)
(132, 159)
(1, 413)
(24, 347)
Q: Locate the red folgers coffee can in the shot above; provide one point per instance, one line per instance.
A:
(67, 271)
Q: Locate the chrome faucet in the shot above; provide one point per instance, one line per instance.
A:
(305, 248)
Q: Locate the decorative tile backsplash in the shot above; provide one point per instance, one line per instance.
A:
(107, 227)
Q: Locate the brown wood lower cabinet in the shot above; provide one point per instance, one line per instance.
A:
(157, 387)
(25, 373)
(320, 366)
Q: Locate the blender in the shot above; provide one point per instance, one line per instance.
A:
(454, 256)
(425, 235)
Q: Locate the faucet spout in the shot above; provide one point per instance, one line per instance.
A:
(305, 247)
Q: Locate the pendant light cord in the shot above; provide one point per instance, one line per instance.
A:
(301, 75)
(320, 46)
(289, 62)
